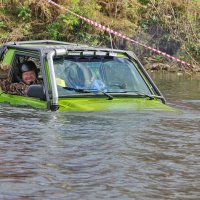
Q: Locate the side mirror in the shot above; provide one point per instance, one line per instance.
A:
(36, 91)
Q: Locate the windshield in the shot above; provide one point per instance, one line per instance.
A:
(97, 74)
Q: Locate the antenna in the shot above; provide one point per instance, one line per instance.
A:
(111, 42)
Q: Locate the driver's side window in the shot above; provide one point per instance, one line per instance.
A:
(16, 64)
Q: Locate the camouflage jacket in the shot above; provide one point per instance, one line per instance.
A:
(14, 88)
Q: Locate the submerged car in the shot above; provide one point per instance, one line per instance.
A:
(78, 77)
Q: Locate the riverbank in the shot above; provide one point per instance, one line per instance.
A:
(151, 64)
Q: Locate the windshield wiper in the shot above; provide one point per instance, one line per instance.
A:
(81, 90)
(151, 97)
(84, 90)
(110, 97)
(142, 94)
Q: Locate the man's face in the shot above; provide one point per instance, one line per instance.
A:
(29, 77)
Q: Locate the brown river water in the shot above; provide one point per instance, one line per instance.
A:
(131, 155)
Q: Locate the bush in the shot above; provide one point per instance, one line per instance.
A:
(170, 25)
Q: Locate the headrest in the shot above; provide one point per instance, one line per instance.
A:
(78, 76)
(4, 70)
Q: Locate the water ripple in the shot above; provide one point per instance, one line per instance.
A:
(131, 155)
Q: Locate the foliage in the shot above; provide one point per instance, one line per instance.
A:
(24, 12)
(172, 26)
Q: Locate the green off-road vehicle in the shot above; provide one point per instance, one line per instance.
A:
(81, 78)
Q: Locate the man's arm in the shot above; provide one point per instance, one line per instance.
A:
(13, 88)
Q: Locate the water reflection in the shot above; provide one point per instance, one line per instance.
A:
(132, 155)
(182, 90)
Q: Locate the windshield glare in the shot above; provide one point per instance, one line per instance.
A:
(97, 74)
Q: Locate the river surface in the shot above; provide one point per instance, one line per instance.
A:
(88, 156)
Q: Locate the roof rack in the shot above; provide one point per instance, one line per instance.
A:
(48, 42)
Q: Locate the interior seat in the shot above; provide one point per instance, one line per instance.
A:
(78, 76)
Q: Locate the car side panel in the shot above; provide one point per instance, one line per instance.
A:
(22, 101)
(8, 56)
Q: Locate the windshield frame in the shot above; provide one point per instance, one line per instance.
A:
(97, 66)
(123, 54)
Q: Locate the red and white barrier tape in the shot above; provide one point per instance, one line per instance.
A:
(121, 35)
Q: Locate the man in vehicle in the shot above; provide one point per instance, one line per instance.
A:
(27, 75)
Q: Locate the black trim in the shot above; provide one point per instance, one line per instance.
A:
(151, 81)
(2, 51)
(54, 107)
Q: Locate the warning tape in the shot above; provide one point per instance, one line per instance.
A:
(107, 29)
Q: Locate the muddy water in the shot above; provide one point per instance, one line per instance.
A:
(132, 155)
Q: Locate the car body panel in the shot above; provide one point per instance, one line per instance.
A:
(117, 104)
(46, 51)
(8, 56)
(22, 101)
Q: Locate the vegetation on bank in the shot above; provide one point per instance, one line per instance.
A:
(172, 26)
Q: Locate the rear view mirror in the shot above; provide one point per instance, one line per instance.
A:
(36, 91)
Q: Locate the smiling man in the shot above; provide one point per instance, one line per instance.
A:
(28, 75)
(28, 72)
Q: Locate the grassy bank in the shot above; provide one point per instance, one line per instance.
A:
(172, 26)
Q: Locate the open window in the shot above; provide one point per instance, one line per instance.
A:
(37, 90)
(18, 60)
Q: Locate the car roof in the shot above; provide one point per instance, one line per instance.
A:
(49, 45)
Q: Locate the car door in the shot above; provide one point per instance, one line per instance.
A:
(14, 58)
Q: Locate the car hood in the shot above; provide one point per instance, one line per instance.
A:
(116, 104)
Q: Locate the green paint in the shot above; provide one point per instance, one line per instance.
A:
(22, 101)
(122, 55)
(8, 56)
(117, 104)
